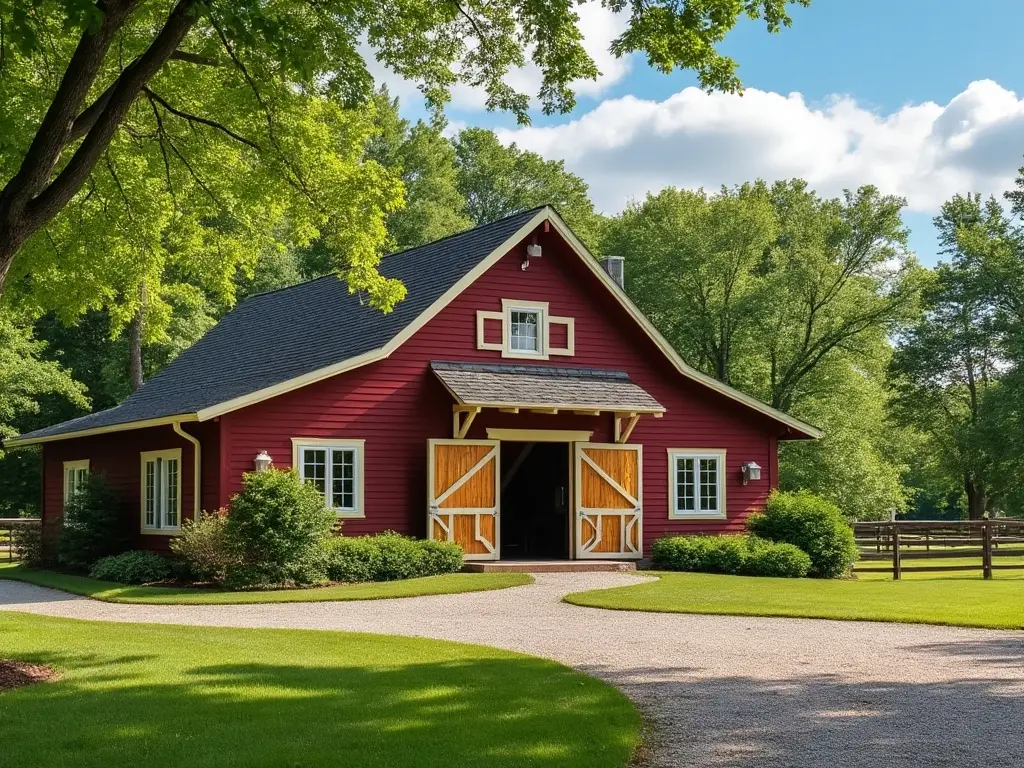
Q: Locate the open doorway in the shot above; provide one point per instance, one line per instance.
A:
(534, 501)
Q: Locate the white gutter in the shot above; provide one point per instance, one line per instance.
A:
(197, 453)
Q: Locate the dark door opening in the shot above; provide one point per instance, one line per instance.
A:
(534, 501)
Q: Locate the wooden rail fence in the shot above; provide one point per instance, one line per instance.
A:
(7, 527)
(992, 543)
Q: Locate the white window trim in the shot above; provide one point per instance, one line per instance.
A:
(696, 454)
(508, 306)
(146, 456)
(68, 467)
(546, 320)
(298, 443)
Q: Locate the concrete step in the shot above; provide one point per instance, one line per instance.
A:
(547, 566)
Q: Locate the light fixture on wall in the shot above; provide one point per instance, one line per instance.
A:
(533, 251)
(263, 461)
(751, 470)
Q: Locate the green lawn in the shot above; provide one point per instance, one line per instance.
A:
(160, 696)
(121, 593)
(959, 598)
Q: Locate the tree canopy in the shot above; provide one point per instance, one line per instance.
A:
(148, 135)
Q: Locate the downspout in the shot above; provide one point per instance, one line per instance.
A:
(197, 453)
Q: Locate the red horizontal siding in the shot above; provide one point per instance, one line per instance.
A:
(116, 456)
(396, 405)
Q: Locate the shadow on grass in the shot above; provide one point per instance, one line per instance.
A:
(393, 711)
(828, 721)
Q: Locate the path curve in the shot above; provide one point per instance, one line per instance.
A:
(717, 690)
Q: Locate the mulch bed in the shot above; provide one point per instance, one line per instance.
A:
(15, 674)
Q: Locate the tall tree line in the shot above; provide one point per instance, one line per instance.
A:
(812, 304)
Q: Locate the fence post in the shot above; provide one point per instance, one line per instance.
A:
(986, 549)
(897, 568)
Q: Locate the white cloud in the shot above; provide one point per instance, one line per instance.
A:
(599, 27)
(926, 152)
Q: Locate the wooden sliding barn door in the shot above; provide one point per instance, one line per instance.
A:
(609, 515)
(463, 495)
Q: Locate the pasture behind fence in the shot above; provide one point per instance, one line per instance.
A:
(991, 545)
(7, 528)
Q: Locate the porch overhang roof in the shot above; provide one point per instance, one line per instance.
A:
(537, 387)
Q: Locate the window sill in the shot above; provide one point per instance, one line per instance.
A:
(698, 517)
(160, 531)
(521, 355)
(348, 515)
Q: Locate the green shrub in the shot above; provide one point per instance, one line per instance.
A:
(27, 544)
(776, 559)
(736, 555)
(398, 557)
(351, 559)
(95, 526)
(135, 567)
(278, 527)
(813, 524)
(388, 557)
(204, 549)
(441, 557)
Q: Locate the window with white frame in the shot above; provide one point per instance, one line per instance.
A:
(696, 483)
(161, 491)
(76, 475)
(334, 468)
(524, 330)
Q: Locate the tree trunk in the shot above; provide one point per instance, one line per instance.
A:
(135, 341)
(977, 499)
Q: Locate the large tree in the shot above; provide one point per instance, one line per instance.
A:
(424, 159)
(948, 366)
(161, 104)
(497, 180)
(791, 298)
(693, 265)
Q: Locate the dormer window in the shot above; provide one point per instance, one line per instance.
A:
(524, 328)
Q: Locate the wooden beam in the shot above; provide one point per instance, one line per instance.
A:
(587, 413)
(460, 427)
(617, 421)
(509, 410)
(551, 411)
(625, 433)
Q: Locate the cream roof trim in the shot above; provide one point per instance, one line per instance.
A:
(544, 214)
(158, 422)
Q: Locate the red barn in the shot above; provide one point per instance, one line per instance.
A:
(516, 402)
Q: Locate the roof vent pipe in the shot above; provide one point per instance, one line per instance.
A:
(615, 267)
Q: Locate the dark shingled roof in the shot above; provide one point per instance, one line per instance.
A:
(277, 336)
(544, 385)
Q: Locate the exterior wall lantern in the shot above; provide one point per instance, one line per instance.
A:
(263, 461)
(751, 471)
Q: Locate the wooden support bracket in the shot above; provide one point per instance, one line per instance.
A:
(624, 424)
(460, 426)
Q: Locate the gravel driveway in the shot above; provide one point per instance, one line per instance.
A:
(717, 690)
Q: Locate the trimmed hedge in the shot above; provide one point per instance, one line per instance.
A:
(135, 567)
(813, 524)
(735, 555)
(389, 557)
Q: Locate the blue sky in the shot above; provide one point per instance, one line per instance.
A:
(866, 71)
